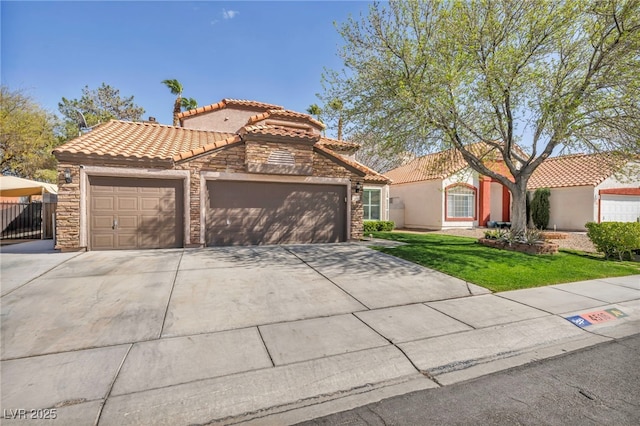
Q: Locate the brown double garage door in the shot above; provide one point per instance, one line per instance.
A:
(248, 213)
(127, 213)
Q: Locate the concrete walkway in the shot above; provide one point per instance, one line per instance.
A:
(267, 335)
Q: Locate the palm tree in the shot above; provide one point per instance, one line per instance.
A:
(336, 106)
(188, 104)
(315, 110)
(176, 89)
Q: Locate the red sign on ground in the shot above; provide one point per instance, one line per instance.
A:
(598, 316)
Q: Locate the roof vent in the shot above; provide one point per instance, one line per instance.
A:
(281, 158)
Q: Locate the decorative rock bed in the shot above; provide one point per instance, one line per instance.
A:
(537, 248)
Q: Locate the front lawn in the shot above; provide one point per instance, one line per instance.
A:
(501, 270)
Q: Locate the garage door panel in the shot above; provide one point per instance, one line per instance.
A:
(148, 212)
(102, 222)
(153, 204)
(128, 223)
(619, 208)
(245, 213)
(128, 241)
(102, 203)
(102, 241)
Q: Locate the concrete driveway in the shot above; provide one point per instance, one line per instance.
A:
(207, 335)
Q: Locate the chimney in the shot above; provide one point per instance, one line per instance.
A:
(152, 119)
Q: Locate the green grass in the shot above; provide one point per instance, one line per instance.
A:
(501, 270)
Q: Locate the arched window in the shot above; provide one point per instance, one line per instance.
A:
(461, 202)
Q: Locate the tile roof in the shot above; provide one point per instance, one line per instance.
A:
(134, 140)
(125, 141)
(230, 102)
(432, 166)
(370, 175)
(443, 164)
(339, 145)
(284, 114)
(271, 130)
(575, 170)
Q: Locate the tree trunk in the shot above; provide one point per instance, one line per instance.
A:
(177, 108)
(340, 128)
(519, 206)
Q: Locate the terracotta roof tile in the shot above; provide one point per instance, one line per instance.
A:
(432, 166)
(284, 114)
(229, 102)
(339, 145)
(271, 130)
(370, 175)
(575, 170)
(135, 140)
(443, 164)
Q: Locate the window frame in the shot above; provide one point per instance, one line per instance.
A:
(365, 205)
(474, 203)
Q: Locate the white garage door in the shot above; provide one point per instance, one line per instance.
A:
(619, 208)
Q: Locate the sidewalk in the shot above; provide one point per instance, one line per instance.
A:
(146, 337)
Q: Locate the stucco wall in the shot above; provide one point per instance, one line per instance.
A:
(422, 201)
(224, 120)
(572, 207)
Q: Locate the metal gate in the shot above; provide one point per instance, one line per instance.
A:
(27, 220)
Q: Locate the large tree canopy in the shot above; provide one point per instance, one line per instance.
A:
(538, 75)
(26, 137)
(96, 106)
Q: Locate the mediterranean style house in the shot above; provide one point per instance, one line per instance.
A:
(440, 191)
(236, 172)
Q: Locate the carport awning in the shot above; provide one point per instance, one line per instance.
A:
(11, 186)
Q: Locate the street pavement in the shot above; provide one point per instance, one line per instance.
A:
(598, 385)
(266, 335)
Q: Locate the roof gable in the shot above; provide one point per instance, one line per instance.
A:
(230, 103)
(286, 117)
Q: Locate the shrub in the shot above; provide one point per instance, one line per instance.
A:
(540, 208)
(378, 225)
(617, 239)
(495, 234)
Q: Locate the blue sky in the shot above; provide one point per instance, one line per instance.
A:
(261, 50)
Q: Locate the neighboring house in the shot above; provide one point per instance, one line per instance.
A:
(236, 172)
(586, 188)
(440, 191)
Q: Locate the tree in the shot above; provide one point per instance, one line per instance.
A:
(315, 111)
(26, 137)
(378, 156)
(541, 208)
(526, 78)
(188, 103)
(96, 106)
(180, 103)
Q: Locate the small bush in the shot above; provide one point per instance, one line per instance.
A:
(541, 208)
(378, 225)
(495, 234)
(615, 239)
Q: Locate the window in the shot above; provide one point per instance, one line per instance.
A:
(371, 203)
(461, 202)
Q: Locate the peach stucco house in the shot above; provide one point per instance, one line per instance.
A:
(440, 191)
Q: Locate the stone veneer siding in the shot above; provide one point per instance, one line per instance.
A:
(228, 160)
(68, 209)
